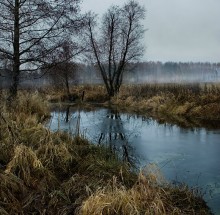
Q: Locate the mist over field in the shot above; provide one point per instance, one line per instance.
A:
(139, 73)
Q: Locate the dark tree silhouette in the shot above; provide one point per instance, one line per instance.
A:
(118, 43)
(66, 71)
(31, 32)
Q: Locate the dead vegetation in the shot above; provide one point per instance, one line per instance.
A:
(145, 197)
(188, 100)
(42, 172)
(201, 101)
(87, 93)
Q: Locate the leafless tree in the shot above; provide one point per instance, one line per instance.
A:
(66, 71)
(62, 75)
(31, 32)
(117, 42)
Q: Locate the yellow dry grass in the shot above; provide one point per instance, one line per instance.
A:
(42, 172)
(145, 197)
(171, 99)
(167, 99)
(92, 93)
(55, 156)
(25, 165)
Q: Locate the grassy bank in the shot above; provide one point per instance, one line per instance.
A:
(92, 93)
(201, 101)
(42, 172)
(195, 101)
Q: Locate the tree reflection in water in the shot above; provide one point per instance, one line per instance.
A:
(109, 130)
(67, 115)
(114, 134)
(69, 120)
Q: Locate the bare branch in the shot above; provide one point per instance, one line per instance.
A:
(118, 43)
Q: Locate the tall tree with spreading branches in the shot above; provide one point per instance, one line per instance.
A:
(117, 42)
(32, 31)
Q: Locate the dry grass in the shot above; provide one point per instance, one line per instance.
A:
(49, 173)
(52, 173)
(189, 100)
(12, 190)
(147, 196)
(25, 165)
(167, 99)
(92, 93)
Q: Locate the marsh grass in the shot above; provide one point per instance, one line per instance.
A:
(12, 192)
(146, 196)
(188, 100)
(87, 93)
(45, 172)
(195, 100)
(42, 172)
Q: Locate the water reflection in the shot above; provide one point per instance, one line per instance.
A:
(113, 134)
(106, 128)
(183, 154)
(67, 116)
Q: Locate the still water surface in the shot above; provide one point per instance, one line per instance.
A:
(184, 155)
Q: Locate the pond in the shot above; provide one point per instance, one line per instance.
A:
(184, 155)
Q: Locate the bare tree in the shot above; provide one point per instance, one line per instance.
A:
(66, 71)
(31, 32)
(63, 74)
(118, 43)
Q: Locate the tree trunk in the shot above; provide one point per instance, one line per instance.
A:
(15, 83)
(67, 85)
(111, 92)
(16, 56)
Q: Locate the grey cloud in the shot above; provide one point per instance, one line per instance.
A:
(178, 30)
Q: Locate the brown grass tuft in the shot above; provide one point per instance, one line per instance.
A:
(26, 165)
(145, 197)
(12, 191)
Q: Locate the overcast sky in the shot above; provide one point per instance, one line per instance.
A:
(178, 30)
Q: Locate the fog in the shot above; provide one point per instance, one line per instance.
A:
(158, 72)
(171, 72)
(138, 73)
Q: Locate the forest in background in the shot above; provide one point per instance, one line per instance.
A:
(137, 73)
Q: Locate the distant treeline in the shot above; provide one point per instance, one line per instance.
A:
(142, 72)
(173, 72)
